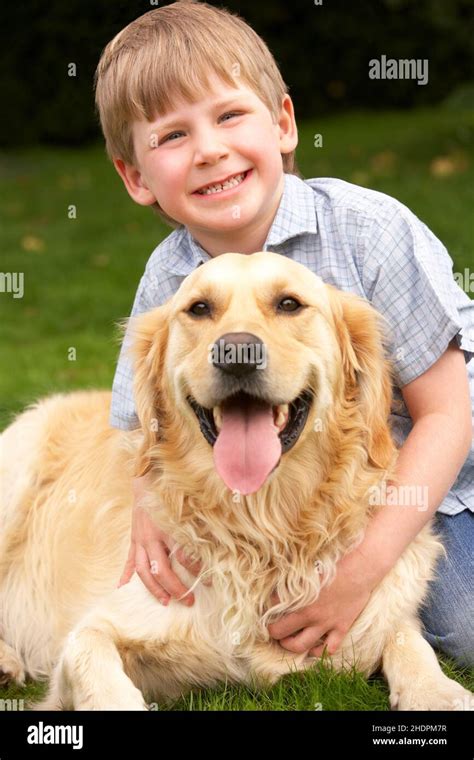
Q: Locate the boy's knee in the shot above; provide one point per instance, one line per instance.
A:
(457, 641)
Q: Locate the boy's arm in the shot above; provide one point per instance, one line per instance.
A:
(434, 452)
(440, 406)
(407, 274)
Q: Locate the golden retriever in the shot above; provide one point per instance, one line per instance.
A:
(263, 396)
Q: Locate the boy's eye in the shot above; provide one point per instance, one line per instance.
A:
(230, 113)
(222, 118)
(165, 139)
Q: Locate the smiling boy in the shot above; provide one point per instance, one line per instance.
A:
(189, 96)
(173, 168)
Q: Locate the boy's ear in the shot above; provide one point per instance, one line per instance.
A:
(134, 182)
(287, 125)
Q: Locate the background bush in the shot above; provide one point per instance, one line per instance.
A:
(323, 52)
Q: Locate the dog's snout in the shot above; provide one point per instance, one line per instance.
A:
(238, 353)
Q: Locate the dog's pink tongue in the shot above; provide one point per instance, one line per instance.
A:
(247, 447)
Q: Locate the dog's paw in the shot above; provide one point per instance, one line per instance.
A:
(442, 694)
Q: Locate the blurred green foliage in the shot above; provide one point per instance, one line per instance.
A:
(323, 52)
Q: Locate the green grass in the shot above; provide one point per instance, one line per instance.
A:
(81, 276)
(321, 688)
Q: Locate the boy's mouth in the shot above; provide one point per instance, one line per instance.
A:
(224, 187)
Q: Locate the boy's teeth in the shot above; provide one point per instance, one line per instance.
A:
(236, 180)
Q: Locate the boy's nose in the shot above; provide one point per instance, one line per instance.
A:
(210, 156)
(209, 148)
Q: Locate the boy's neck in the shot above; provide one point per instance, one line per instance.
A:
(247, 240)
(234, 243)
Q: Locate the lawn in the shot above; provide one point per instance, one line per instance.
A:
(80, 277)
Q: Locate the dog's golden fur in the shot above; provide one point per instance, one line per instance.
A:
(66, 500)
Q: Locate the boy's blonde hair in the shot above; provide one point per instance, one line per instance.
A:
(168, 54)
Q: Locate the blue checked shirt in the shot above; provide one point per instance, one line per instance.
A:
(361, 241)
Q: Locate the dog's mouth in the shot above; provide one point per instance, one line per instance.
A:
(249, 435)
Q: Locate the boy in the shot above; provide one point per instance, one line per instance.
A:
(190, 97)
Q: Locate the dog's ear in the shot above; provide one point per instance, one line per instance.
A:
(148, 340)
(368, 373)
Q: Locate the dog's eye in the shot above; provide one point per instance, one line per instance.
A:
(199, 309)
(289, 304)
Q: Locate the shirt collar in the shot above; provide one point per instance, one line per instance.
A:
(296, 215)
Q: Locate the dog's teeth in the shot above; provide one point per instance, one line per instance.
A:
(281, 415)
(217, 418)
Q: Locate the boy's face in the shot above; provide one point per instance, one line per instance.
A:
(227, 133)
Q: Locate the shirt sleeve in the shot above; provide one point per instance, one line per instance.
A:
(408, 277)
(122, 411)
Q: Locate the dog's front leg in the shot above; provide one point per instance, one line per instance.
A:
(90, 676)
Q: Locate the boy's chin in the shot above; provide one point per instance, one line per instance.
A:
(219, 221)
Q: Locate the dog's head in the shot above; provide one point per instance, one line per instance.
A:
(249, 357)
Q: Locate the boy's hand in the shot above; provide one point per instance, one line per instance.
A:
(149, 557)
(324, 623)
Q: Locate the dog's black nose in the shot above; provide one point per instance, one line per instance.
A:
(238, 353)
